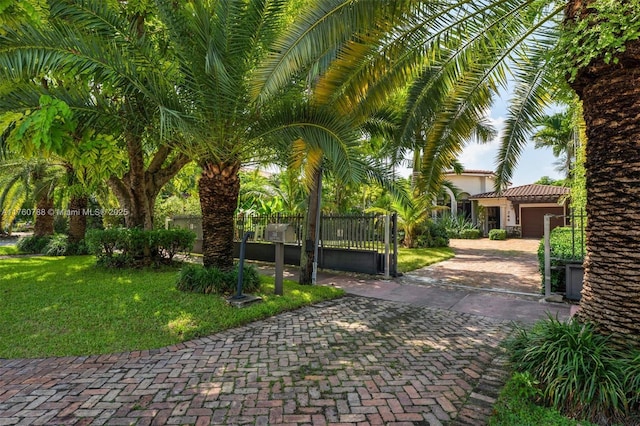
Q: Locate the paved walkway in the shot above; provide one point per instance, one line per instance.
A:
(392, 353)
(510, 265)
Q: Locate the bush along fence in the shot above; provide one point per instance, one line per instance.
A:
(119, 247)
(356, 243)
(563, 267)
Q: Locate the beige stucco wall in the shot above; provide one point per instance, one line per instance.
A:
(472, 184)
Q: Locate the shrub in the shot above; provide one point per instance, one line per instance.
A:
(580, 372)
(456, 225)
(197, 279)
(470, 234)
(119, 247)
(567, 246)
(498, 234)
(58, 245)
(432, 234)
(33, 244)
(173, 241)
(517, 405)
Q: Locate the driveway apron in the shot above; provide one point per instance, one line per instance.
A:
(389, 353)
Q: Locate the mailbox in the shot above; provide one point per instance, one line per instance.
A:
(280, 233)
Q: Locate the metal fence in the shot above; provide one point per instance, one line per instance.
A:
(362, 232)
(577, 221)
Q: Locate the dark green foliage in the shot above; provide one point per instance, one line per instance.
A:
(55, 245)
(120, 247)
(198, 279)
(567, 246)
(459, 226)
(170, 242)
(579, 371)
(33, 244)
(58, 245)
(517, 406)
(469, 234)
(432, 234)
(498, 234)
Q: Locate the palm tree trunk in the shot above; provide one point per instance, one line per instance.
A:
(219, 187)
(611, 100)
(307, 253)
(77, 218)
(44, 218)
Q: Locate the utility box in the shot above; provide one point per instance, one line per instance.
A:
(575, 276)
(280, 233)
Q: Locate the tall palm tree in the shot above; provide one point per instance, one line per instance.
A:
(609, 90)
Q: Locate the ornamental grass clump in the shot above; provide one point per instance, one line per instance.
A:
(580, 372)
(197, 279)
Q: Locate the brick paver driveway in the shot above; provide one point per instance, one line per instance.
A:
(510, 265)
(350, 361)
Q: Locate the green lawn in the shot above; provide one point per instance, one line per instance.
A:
(57, 306)
(411, 259)
(8, 250)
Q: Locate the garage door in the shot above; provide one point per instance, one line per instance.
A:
(532, 220)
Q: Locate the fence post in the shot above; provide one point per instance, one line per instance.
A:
(394, 228)
(387, 244)
(547, 255)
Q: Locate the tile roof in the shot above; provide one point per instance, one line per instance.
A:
(472, 172)
(532, 191)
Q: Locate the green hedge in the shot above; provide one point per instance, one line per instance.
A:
(564, 250)
(498, 234)
(120, 247)
(469, 234)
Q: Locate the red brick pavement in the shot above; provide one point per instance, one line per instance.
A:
(353, 361)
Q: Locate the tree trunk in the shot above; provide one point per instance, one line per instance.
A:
(611, 100)
(138, 189)
(77, 218)
(44, 217)
(307, 254)
(219, 187)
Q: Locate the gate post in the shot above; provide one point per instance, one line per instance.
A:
(547, 255)
(387, 245)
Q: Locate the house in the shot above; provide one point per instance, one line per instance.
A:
(520, 210)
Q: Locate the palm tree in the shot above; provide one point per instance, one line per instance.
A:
(607, 84)
(34, 179)
(557, 132)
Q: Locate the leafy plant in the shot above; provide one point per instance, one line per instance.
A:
(58, 245)
(170, 242)
(458, 225)
(498, 234)
(431, 234)
(197, 279)
(470, 234)
(580, 372)
(567, 246)
(33, 244)
(599, 35)
(517, 406)
(119, 247)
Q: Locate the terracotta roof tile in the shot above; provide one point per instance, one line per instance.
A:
(528, 191)
(474, 172)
